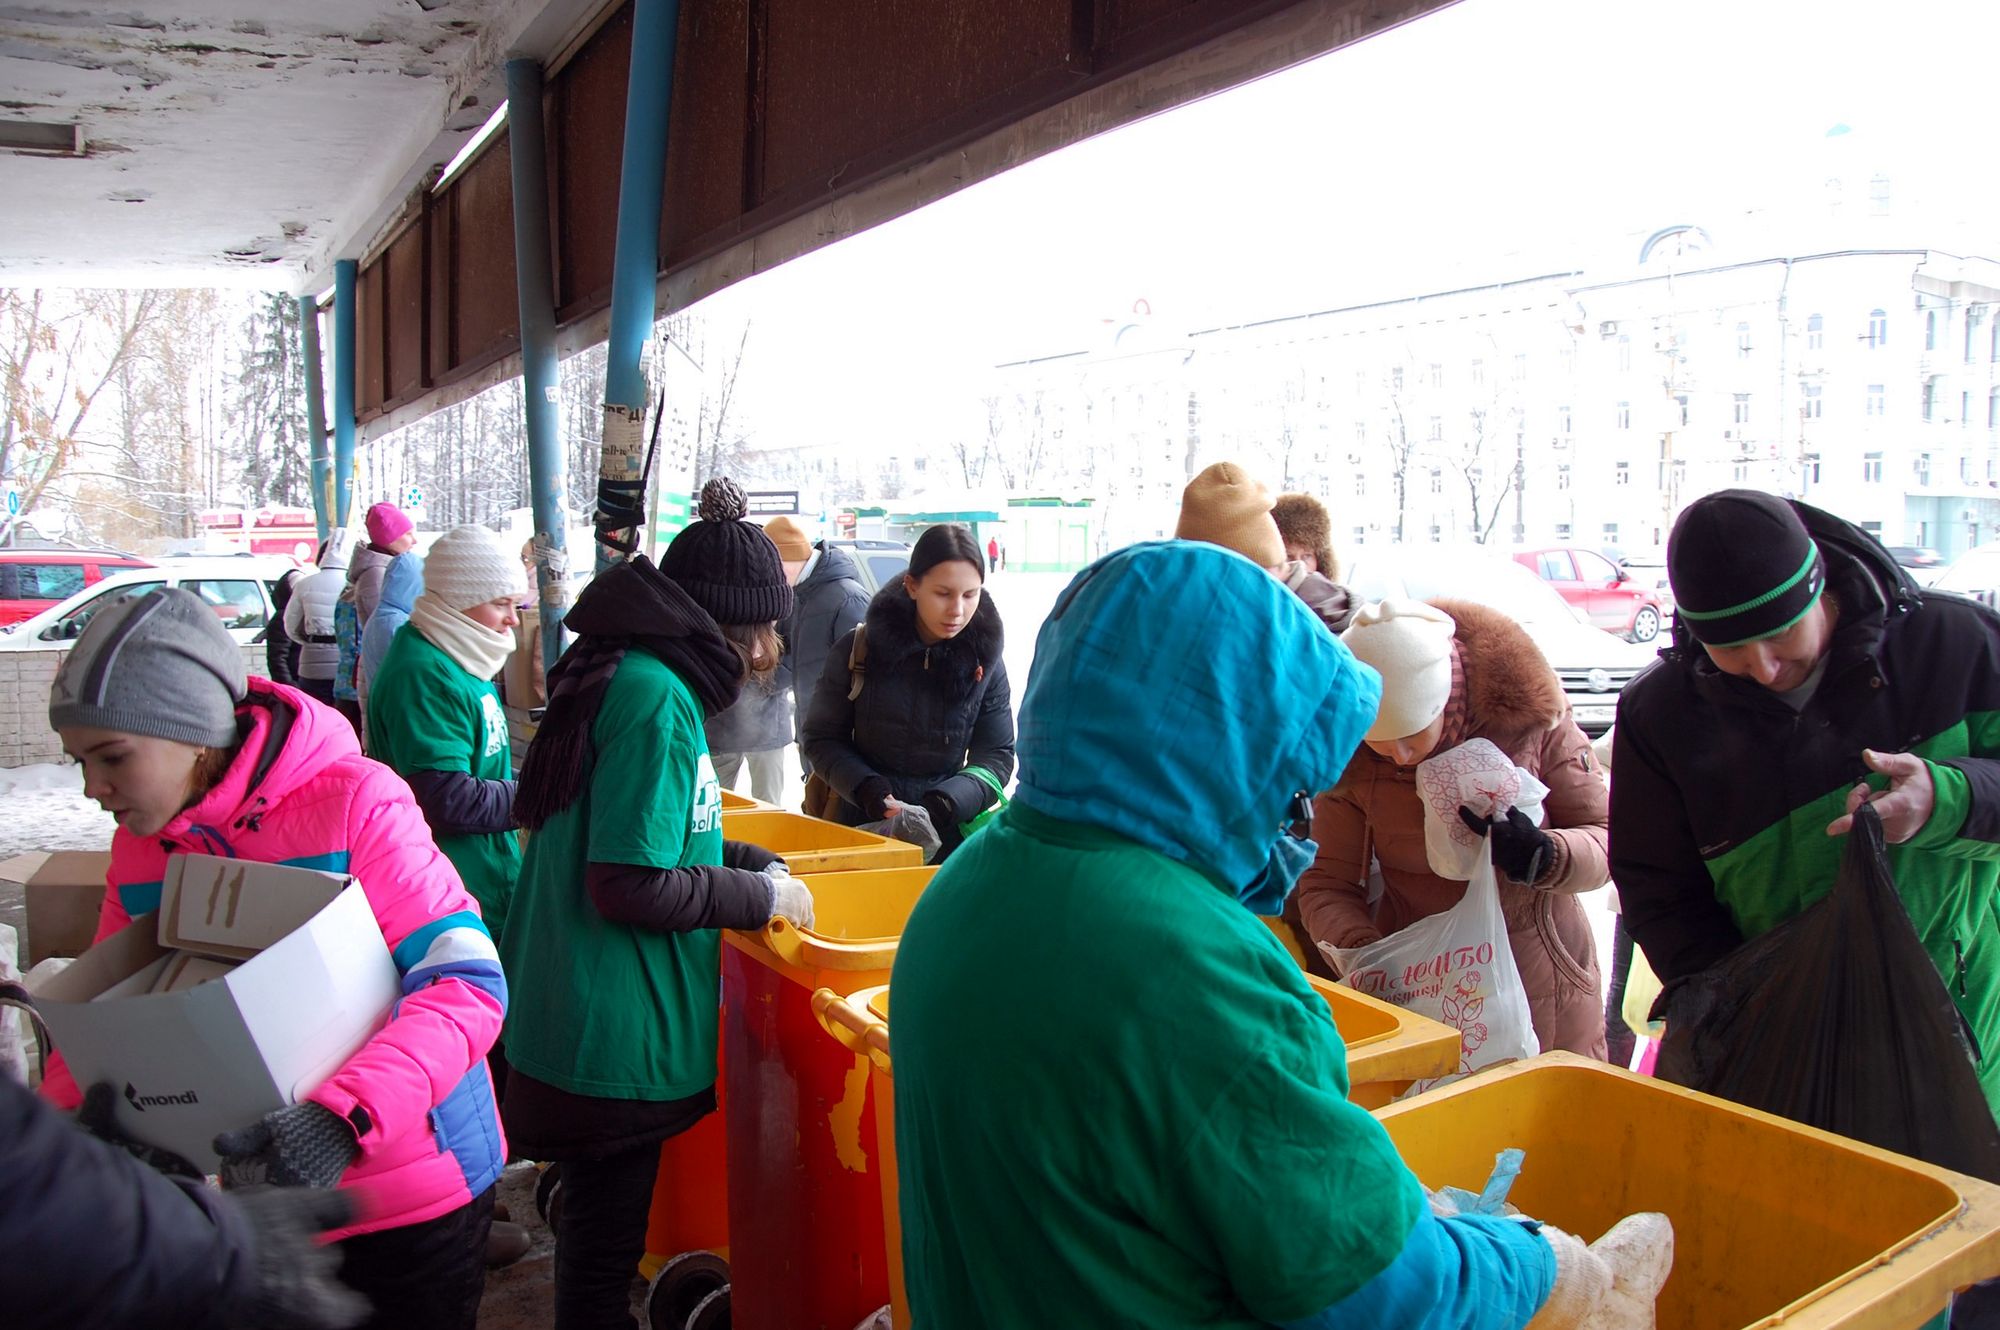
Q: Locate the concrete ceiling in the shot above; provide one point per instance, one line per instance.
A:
(237, 143)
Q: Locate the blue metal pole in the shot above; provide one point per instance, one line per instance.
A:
(546, 482)
(635, 269)
(345, 272)
(322, 465)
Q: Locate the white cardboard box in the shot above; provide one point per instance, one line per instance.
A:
(208, 1059)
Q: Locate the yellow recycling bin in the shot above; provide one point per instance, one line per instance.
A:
(1774, 1223)
(813, 845)
(732, 802)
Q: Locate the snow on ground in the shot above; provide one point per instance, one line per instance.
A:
(42, 808)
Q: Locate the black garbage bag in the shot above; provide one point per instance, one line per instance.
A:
(1838, 1019)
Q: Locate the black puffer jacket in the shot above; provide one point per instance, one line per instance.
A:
(924, 714)
(825, 608)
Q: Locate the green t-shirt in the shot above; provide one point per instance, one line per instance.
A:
(426, 713)
(603, 1009)
(1118, 1103)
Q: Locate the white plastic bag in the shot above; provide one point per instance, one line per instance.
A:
(1475, 775)
(1457, 968)
(910, 823)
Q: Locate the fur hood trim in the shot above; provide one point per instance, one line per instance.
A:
(1510, 691)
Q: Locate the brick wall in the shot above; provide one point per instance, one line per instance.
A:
(25, 676)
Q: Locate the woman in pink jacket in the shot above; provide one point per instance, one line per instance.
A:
(190, 757)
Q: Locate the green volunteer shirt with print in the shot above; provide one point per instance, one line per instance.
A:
(427, 713)
(603, 1009)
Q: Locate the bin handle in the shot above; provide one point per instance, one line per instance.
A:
(854, 1026)
(787, 940)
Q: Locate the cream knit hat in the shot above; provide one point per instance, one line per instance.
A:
(1409, 644)
(466, 566)
(1226, 506)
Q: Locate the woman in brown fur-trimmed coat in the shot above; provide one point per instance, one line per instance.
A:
(1502, 690)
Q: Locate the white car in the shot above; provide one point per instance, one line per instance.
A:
(239, 587)
(1594, 666)
(1975, 573)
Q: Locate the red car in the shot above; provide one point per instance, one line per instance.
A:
(31, 580)
(1600, 589)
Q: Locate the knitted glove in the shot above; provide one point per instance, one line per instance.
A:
(790, 898)
(872, 797)
(1613, 1283)
(299, 1145)
(97, 1115)
(295, 1282)
(1521, 849)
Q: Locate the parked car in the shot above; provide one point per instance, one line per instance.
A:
(1594, 666)
(1975, 573)
(1609, 596)
(33, 579)
(880, 561)
(1920, 561)
(238, 586)
(1649, 569)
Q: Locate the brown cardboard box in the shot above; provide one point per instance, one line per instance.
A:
(65, 889)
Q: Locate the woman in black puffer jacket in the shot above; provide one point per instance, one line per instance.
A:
(932, 698)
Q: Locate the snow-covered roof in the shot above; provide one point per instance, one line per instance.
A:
(235, 143)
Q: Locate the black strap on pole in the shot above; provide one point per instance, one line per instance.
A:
(621, 505)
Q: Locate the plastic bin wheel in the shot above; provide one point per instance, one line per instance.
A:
(712, 1314)
(683, 1286)
(548, 1196)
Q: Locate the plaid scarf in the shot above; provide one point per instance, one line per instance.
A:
(627, 606)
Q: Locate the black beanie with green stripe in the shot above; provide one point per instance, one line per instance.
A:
(1742, 567)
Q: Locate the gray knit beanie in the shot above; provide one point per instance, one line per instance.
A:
(159, 663)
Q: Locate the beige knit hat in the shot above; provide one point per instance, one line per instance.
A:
(794, 545)
(466, 566)
(1409, 644)
(1225, 506)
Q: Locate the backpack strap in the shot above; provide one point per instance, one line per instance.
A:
(857, 662)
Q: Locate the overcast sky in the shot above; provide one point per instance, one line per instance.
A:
(1497, 139)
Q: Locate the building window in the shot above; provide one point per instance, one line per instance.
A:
(1569, 358)
(1624, 473)
(1360, 484)
(1563, 422)
(1681, 400)
(1812, 470)
(1562, 530)
(1742, 416)
(1478, 373)
(1562, 476)
(1994, 355)
(1361, 431)
(1396, 379)
(1965, 408)
(1437, 429)
(1360, 534)
(1973, 318)
(1437, 481)
(1521, 366)
(1611, 533)
(1624, 415)
(1361, 383)
(1874, 399)
(1871, 467)
(1965, 470)
(1437, 376)
(1743, 341)
(1742, 472)
(1815, 332)
(1930, 399)
(1437, 533)
(1624, 351)
(1993, 409)
(1812, 407)
(1878, 328)
(1930, 329)
(1923, 468)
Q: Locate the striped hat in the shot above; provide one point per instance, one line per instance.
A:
(1742, 567)
(160, 664)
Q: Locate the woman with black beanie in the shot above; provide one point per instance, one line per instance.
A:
(612, 950)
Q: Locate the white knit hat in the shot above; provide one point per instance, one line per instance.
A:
(466, 566)
(1409, 644)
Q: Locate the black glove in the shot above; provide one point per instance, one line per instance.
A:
(1521, 849)
(943, 810)
(296, 1285)
(872, 797)
(97, 1116)
(299, 1145)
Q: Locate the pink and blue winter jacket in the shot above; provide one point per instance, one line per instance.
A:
(300, 793)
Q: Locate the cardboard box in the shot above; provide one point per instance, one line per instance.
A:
(65, 890)
(210, 1058)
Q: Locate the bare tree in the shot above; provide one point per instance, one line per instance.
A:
(59, 351)
(1487, 477)
(1401, 447)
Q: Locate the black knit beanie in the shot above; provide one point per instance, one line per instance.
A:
(1742, 567)
(729, 567)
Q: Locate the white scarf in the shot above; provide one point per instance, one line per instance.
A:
(480, 651)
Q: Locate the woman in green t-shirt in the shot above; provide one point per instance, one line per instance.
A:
(612, 950)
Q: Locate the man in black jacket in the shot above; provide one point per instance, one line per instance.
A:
(89, 1236)
(828, 603)
(1808, 673)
